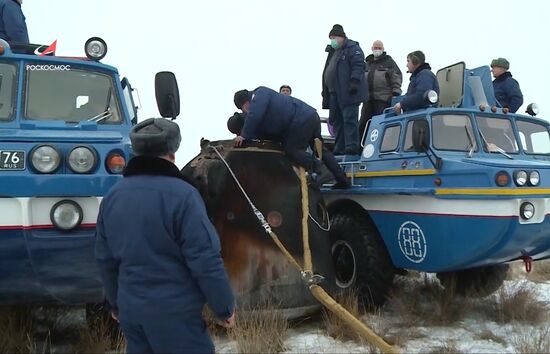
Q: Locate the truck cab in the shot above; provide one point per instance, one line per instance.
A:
(461, 189)
(64, 142)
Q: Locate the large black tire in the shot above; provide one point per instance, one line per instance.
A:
(475, 282)
(361, 260)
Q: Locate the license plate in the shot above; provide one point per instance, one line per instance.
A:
(12, 160)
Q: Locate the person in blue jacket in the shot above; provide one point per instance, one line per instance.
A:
(13, 27)
(158, 253)
(344, 88)
(422, 80)
(506, 88)
(285, 119)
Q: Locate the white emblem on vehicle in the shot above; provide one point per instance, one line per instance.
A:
(412, 242)
(368, 151)
(374, 135)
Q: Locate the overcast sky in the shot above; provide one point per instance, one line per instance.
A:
(216, 47)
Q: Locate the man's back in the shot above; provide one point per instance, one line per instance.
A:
(271, 114)
(12, 22)
(163, 255)
(508, 92)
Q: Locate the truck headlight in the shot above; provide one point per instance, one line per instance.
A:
(82, 159)
(95, 48)
(534, 178)
(526, 211)
(431, 96)
(520, 177)
(45, 159)
(66, 215)
(532, 109)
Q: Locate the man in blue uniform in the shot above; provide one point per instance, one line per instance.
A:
(422, 80)
(158, 253)
(286, 119)
(344, 88)
(506, 88)
(13, 27)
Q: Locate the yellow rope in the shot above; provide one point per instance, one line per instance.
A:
(319, 293)
(308, 266)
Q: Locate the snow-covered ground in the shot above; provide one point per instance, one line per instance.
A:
(473, 333)
(414, 321)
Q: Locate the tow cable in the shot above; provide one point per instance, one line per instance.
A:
(310, 279)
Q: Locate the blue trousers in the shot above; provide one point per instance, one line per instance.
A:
(167, 335)
(344, 119)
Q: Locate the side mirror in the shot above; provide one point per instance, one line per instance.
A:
(420, 135)
(167, 94)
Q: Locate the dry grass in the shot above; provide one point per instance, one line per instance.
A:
(338, 328)
(260, 330)
(100, 337)
(448, 348)
(540, 272)
(16, 330)
(426, 302)
(532, 341)
(519, 304)
(399, 336)
(487, 335)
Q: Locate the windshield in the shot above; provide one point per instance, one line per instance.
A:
(70, 95)
(534, 137)
(453, 132)
(497, 135)
(8, 74)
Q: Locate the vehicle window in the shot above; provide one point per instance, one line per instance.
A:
(390, 140)
(497, 134)
(8, 75)
(534, 137)
(453, 132)
(408, 146)
(70, 95)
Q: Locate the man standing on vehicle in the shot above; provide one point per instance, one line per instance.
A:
(13, 27)
(293, 123)
(344, 88)
(506, 88)
(157, 251)
(384, 79)
(422, 80)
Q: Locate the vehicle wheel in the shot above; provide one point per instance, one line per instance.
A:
(477, 282)
(360, 258)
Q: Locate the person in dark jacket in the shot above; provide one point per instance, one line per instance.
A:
(235, 123)
(293, 123)
(285, 90)
(506, 88)
(422, 80)
(344, 88)
(158, 253)
(384, 79)
(13, 27)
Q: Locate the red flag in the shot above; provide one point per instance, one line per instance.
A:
(50, 50)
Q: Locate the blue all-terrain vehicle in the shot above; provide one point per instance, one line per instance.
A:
(460, 189)
(64, 142)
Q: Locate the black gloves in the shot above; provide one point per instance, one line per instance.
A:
(353, 86)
